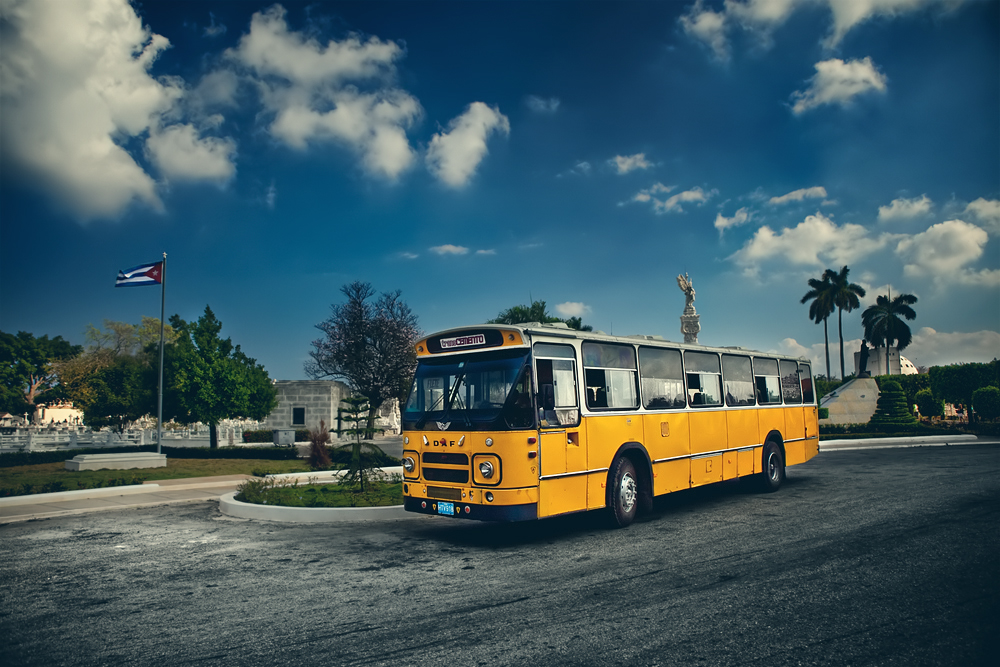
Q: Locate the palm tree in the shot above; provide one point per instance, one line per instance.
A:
(845, 297)
(821, 308)
(883, 324)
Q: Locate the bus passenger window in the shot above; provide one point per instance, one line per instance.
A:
(805, 371)
(737, 378)
(661, 378)
(791, 387)
(610, 375)
(704, 379)
(766, 380)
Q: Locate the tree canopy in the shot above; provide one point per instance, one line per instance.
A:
(27, 369)
(884, 325)
(368, 342)
(822, 306)
(114, 381)
(536, 312)
(208, 379)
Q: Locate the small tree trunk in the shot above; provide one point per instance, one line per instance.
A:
(370, 423)
(213, 436)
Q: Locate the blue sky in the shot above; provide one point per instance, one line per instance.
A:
(476, 155)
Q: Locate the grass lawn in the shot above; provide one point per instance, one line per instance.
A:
(263, 492)
(50, 475)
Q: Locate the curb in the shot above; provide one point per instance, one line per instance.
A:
(80, 494)
(230, 506)
(847, 445)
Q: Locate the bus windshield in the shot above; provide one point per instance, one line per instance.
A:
(483, 391)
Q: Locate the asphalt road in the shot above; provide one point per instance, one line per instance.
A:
(885, 557)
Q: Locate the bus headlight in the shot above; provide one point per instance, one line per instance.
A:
(485, 469)
(409, 464)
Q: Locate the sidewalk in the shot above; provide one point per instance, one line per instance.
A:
(199, 489)
(161, 492)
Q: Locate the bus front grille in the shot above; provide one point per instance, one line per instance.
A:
(446, 475)
(445, 458)
(443, 493)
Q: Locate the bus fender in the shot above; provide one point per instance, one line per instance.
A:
(643, 468)
(776, 437)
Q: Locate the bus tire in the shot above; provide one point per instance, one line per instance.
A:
(774, 468)
(623, 492)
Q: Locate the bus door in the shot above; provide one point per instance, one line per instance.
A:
(562, 444)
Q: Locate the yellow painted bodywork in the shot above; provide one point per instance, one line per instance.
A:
(686, 449)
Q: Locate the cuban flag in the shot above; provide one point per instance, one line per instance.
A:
(144, 274)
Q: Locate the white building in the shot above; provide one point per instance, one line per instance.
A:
(898, 364)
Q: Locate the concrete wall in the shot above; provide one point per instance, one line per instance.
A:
(321, 399)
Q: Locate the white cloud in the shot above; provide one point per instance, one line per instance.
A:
(815, 192)
(75, 79)
(740, 217)
(181, 154)
(762, 17)
(216, 89)
(944, 251)
(936, 348)
(449, 249)
(407, 255)
(542, 105)
(573, 309)
(271, 196)
(904, 209)
(838, 82)
(708, 26)
(816, 241)
(491, 251)
(214, 29)
(453, 156)
(339, 91)
(928, 348)
(674, 203)
(626, 163)
(986, 211)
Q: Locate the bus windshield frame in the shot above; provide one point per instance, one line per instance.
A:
(478, 391)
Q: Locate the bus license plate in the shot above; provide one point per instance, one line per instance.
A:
(446, 508)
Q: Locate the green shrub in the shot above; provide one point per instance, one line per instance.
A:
(824, 413)
(892, 411)
(986, 402)
(928, 405)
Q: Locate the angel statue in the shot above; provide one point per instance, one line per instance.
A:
(684, 282)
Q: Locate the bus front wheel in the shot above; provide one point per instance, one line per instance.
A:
(623, 492)
(774, 467)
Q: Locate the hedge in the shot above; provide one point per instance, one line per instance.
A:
(9, 460)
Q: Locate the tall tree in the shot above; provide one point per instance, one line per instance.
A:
(367, 342)
(209, 379)
(27, 369)
(822, 306)
(536, 312)
(845, 296)
(883, 324)
(114, 381)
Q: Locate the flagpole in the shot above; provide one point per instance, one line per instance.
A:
(159, 407)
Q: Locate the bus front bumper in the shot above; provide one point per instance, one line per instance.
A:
(461, 510)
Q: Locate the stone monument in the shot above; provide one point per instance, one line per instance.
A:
(690, 320)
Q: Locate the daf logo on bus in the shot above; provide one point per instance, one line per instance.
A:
(463, 341)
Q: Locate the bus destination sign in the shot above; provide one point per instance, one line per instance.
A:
(463, 341)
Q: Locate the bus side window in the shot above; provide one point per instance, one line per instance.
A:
(791, 386)
(557, 395)
(805, 372)
(704, 378)
(766, 381)
(737, 377)
(611, 376)
(661, 378)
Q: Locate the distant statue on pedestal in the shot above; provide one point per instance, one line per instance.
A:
(690, 320)
(863, 361)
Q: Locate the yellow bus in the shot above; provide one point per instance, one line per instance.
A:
(511, 423)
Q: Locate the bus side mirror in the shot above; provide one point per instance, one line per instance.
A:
(548, 397)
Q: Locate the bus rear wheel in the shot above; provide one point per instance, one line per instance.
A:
(623, 492)
(774, 468)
